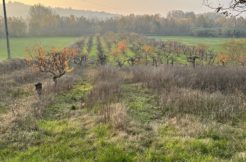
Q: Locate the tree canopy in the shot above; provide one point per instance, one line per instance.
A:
(44, 21)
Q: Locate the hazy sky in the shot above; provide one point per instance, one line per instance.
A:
(126, 6)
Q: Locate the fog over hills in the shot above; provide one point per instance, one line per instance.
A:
(17, 9)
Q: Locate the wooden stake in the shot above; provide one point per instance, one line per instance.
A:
(6, 29)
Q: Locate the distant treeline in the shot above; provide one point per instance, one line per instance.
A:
(43, 21)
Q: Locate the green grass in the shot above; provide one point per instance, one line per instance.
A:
(3, 108)
(60, 137)
(93, 52)
(141, 103)
(213, 43)
(84, 48)
(19, 45)
(167, 142)
(76, 135)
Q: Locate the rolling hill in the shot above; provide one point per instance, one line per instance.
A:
(16, 9)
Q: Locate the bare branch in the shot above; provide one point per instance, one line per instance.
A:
(231, 8)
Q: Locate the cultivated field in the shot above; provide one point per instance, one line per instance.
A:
(19, 45)
(127, 98)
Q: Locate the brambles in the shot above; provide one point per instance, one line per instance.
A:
(56, 63)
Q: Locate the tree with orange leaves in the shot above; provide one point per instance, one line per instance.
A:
(223, 58)
(116, 52)
(147, 51)
(122, 46)
(54, 62)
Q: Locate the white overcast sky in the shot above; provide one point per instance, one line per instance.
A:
(127, 6)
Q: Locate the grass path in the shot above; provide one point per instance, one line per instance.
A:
(93, 52)
(84, 50)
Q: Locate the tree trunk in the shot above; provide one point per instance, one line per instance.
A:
(172, 61)
(194, 64)
(55, 81)
(146, 59)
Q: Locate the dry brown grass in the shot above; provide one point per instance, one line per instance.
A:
(215, 106)
(212, 93)
(204, 78)
(119, 116)
(12, 65)
(105, 95)
(106, 88)
(115, 114)
(19, 98)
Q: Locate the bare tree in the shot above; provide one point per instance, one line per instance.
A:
(229, 7)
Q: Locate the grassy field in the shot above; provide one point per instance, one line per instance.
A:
(19, 45)
(141, 112)
(90, 122)
(213, 43)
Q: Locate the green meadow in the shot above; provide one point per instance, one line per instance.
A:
(213, 43)
(20, 45)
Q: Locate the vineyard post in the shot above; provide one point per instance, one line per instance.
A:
(6, 29)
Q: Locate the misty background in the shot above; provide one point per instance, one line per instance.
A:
(38, 20)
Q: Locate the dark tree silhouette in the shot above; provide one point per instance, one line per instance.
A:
(230, 7)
